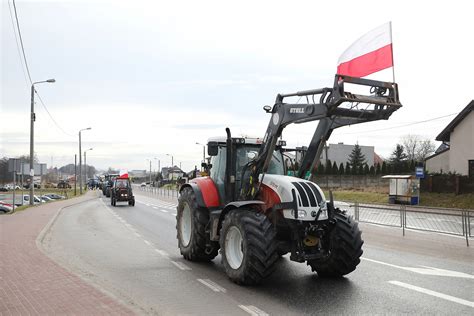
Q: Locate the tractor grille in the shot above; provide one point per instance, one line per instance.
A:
(308, 194)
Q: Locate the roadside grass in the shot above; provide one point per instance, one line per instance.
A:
(448, 200)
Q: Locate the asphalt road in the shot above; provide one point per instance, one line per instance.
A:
(131, 252)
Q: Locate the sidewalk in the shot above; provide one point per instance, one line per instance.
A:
(31, 283)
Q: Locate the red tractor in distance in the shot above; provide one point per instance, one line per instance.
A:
(253, 212)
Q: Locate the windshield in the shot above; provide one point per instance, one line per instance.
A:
(247, 153)
(121, 183)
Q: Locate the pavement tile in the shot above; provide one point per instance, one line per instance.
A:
(31, 283)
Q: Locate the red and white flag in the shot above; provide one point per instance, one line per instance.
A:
(123, 174)
(370, 53)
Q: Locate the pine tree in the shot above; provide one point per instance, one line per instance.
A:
(328, 167)
(378, 169)
(384, 168)
(372, 170)
(335, 170)
(356, 158)
(398, 159)
(366, 169)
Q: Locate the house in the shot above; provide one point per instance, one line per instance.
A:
(456, 153)
(340, 152)
(172, 173)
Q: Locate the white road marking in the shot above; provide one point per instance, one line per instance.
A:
(162, 252)
(426, 270)
(181, 266)
(138, 235)
(252, 310)
(433, 293)
(213, 286)
(147, 242)
(164, 211)
(155, 207)
(147, 204)
(173, 214)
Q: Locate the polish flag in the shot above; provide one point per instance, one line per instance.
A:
(370, 53)
(123, 174)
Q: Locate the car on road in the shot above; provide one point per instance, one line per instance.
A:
(3, 189)
(46, 198)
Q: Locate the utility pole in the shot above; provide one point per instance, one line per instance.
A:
(32, 138)
(75, 174)
(80, 159)
(150, 171)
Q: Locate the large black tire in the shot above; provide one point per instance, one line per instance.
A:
(345, 249)
(259, 246)
(199, 247)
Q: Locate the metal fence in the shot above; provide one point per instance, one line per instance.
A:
(457, 222)
(159, 191)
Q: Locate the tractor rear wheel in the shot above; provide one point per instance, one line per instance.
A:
(248, 246)
(345, 248)
(191, 221)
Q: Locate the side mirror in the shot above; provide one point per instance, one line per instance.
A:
(212, 148)
(267, 108)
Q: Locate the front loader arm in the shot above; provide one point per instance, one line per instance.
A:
(336, 108)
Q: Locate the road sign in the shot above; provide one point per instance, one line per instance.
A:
(419, 172)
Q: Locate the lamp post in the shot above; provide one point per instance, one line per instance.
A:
(172, 161)
(85, 160)
(203, 154)
(80, 159)
(150, 169)
(32, 142)
(158, 166)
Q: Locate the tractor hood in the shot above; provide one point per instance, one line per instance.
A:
(310, 198)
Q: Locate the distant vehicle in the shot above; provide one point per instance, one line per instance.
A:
(5, 207)
(37, 200)
(108, 183)
(36, 186)
(55, 196)
(46, 198)
(3, 189)
(63, 185)
(10, 187)
(121, 191)
(143, 184)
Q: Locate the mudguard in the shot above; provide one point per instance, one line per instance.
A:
(205, 191)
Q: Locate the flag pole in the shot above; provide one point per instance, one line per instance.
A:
(393, 60)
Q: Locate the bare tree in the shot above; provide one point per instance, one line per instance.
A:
(425, 148)
(416, 147)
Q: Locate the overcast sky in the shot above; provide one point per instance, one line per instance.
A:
(154, 77)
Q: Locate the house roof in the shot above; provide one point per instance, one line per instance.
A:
(445, 134)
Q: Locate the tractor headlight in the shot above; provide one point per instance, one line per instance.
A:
(301, 213)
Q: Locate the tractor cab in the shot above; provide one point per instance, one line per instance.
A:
(244, 151)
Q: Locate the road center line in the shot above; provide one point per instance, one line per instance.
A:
(252, 310)
(213, 286)
(138, 235)
(433, 293)
(147, 242)
(181, 266)
(164, 211)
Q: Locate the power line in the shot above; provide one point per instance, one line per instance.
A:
(21, 42)
(398, 126)
(28, 69)
(17, 45)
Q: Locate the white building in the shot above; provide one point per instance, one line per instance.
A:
(457, 152)
(340, 152)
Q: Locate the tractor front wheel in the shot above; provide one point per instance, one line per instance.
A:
(191, 221)
(344, 245)
(248, 246)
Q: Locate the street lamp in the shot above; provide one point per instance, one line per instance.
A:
(203, 154)
(85, 160)
(150, 169)
(80, 159)
(172, 163)
(32, 133)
